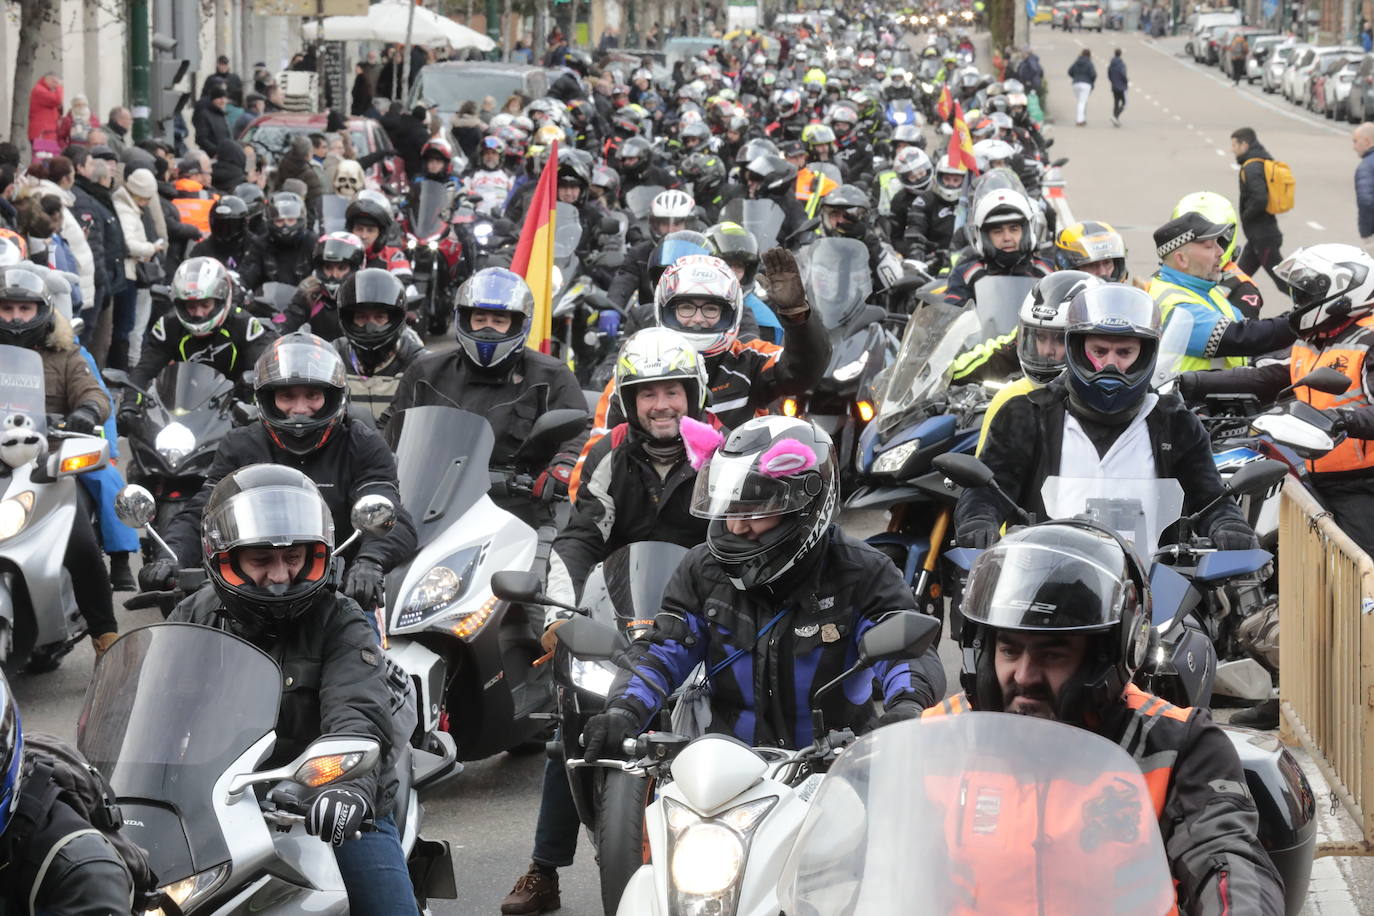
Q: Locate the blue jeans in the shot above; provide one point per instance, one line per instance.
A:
(375, 874)
(555, 835)
(104, 485)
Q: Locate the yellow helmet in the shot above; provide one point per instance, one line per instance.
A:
(1087, 243)
(548, 134)
(814, 75)
(1218, 209)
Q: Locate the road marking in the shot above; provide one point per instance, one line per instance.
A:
(1220, 152)
(1234, 167)
(1316, 225)
(1190, 127)
(1177, 118)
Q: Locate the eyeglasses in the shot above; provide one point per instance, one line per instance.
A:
(711, 311)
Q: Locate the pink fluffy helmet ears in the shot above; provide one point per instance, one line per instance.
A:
(787, 457)
(701, 440)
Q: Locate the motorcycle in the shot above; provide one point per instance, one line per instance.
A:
(838, 284)
(470, 654)
(181, 719)
(333, 213)
(763, 219)
(177, 429)
(271, 301)
(435, 255)
(39, 619)
(638, 204)
(621, 596)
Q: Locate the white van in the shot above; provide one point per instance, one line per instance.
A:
(1206, 19)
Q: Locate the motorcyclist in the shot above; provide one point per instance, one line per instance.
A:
(771, 177)
(56, 861)
(203, 326)
(915, 176)
(736, 246)
(493, 374)
(634, 162)
(75, 402)
(703, 176)
(371, 222)
(376, 346)
(773, 603)
(338, 256)
(853, 154)
(846, 213)
(929, 232)
(228, 239)
(437, 158)
(671, 211)
(1238, 286)
(486, 177)
(1057, 621)
(302, 393)
(1092, 247)
(265, 543)
(699, 297)
(283, 255)
(1101, 420)
(1002, 230)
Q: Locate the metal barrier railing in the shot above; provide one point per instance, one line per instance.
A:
(1326, 681)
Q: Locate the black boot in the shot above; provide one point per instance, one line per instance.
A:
(121, 578)
(1263, 715)
(118, 357)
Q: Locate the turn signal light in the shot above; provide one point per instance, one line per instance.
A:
(865, 410)
(80, 462)
(321, 771)
(789, 407)
(469, 626)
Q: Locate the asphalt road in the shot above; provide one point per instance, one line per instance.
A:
(1174, 140)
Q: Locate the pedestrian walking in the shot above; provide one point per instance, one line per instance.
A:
(1362, 138)
(1084, 76)
(1116, 75)
(1239, 50)
(1263, 239)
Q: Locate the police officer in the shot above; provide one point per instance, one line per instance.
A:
(377, 346)
(265, 543)
(204, 326)
(302, 393)
(1074, 663)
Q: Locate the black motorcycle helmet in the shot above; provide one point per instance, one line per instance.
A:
(337, 248)
(768, 175)
(255, 202)
(736, 246)
(369, 213)
(19, 284)
(844, 212)
(634, 157)
(301, 359)
(753, 149)
(372, 289)
(1066, 577)
(705, 172)
(266, 505)
(229, 221)
(287, 219)
(769, 466)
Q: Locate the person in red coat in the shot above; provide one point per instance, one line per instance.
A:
(76, 124)
(45, 110)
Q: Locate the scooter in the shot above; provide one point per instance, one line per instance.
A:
(181, 718)
(39, 619)
(470, 654)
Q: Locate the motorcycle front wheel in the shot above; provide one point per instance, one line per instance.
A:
(619, 832)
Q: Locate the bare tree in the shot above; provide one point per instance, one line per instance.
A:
(33, 14)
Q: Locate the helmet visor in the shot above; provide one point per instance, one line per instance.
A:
(731, 487)
(1040, 349)
(1308, 286)
(1022, 586)
(267, 517)
(1114, 310)
(303, 362)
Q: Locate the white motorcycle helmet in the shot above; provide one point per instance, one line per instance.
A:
(707, 281)
(914, 169)
(1043, 321)
(997, 208)
(949, 179)
(670, 212)
(993, 153)
(1330, 284)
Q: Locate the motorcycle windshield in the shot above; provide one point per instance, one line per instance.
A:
(1137, 509)
(441, 463)
(901, 111)
(1173, 346)
(567, 232)
(278, 295)
(427, 215)
(186, 387)
(838, 281)
(639, 200)
(763, 218)
(21, 389)
(999, 302)
(333, 210)
(169, 709)
(936, 333)
(627, 589)
(980, 813)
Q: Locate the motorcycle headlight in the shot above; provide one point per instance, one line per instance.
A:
(593, 677)
(432, 244)
(851, 369)
(14, 514)
(410, 243)
(174, 442)
(187, 890)
(706, 855)
(482, 232)
(892, 460)
(441, 587)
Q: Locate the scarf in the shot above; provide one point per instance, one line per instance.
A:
(1194, 284)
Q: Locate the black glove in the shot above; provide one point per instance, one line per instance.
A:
(1340, 419)
(337, 815)
(364, 583)
(82, 420)
(157, 576)
(1233, 535)
(978, 535)
(1188, 387)
(606, 732)
(905, 708)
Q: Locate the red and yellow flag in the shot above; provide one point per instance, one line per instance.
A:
(534, 252)
(961, 142)
(944, 105)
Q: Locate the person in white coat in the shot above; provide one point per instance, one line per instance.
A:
(139, 188)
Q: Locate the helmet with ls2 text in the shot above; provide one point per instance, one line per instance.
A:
(1061, 579)
(770, 467)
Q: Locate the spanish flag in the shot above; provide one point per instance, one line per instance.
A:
(961, 142)
(534, 253)
(944, 105)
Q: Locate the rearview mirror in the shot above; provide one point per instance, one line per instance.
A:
(549, 430)
(326, 760)
(1060, 162)
(373, 514)
(135, 505)
(1257, 476)
(1325, 380)
(609, 225)
(903, 634)
(117, 377)
(590, 639)
(965, 470)
(517, 585)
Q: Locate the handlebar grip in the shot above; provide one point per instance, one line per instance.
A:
(148, 599)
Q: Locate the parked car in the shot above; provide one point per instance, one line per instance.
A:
(274, 132)
(448, 84)
(1261, 47)
(1322, 60)
(1360, 105)
(1271, 80)
(1201, 26)
(1331, 90)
